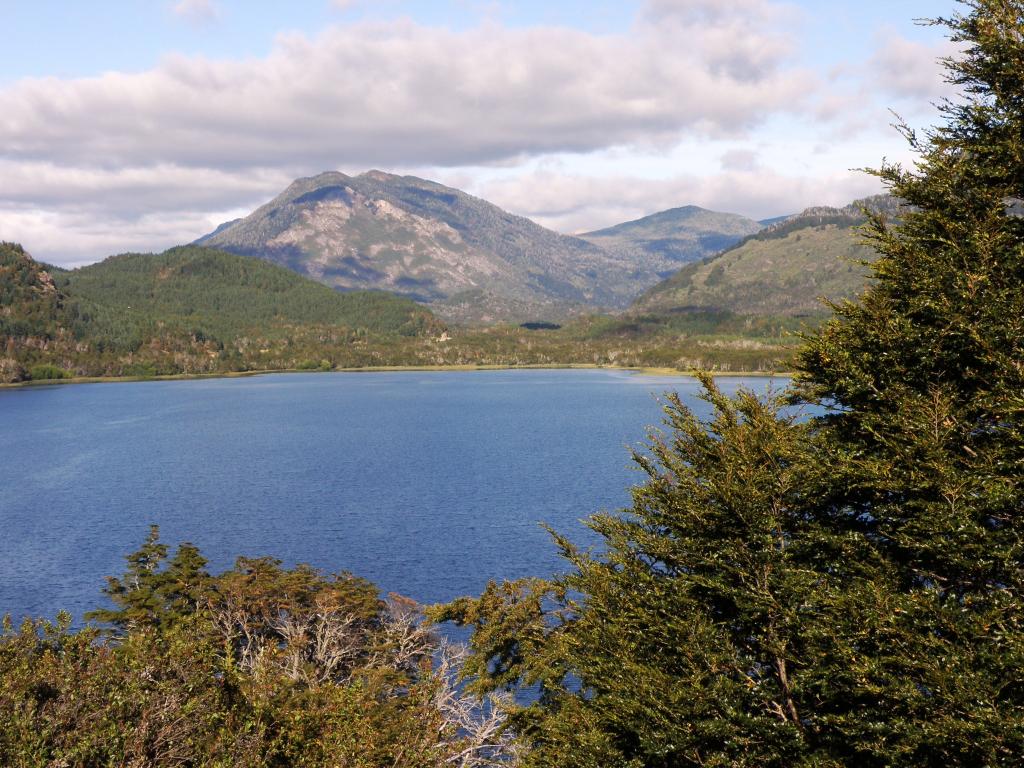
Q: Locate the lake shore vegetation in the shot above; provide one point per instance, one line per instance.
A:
(196, 311)
(261, 665)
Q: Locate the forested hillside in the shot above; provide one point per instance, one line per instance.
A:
(189, 310)
(786, 269)
(228, 295)
(195, 310)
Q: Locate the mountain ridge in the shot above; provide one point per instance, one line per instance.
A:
(468, 259)
(666, 239)
(422, 239)
(785, 269)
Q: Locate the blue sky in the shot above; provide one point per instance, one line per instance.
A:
(138, 125)
(72, 39)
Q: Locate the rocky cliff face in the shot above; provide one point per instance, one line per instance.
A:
(465, 256)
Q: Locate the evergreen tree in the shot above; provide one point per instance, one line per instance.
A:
(153, 591)
(698, 637)
(925, 379)
(845, 592)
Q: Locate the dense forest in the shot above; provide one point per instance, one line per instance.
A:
(195, 310)
(189, 310)
(845, 589)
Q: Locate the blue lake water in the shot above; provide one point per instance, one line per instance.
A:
(428, 484)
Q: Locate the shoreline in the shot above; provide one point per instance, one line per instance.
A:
(639, 370)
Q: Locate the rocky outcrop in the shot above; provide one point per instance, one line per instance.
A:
(431, 242)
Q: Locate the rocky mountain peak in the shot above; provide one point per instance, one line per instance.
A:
(431, 242)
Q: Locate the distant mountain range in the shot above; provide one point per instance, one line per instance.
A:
(468, 259)
(785, 269)
(664, 241)
(198, 309)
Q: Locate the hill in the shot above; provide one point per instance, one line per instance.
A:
(29, 300)
(665, 240)
(32, 312)
(229, 294)
(784, 270)
(436, 244)
(188, 310)
(195, 310)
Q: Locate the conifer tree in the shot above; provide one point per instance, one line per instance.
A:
(695, 637)
(154, 591)
(845, 592)
(924, 376)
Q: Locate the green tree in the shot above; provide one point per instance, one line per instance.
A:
(925, 379)
(697, 638)
(845, 592)
(258, 666)
(154, 591)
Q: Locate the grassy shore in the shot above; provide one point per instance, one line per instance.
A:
(641, 371)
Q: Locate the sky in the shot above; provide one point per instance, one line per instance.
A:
(135, 125)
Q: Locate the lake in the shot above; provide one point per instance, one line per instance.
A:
(427, 483)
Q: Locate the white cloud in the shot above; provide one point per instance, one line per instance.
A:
(908, 69)
(70, 239)
(744, 39)
(195, 11)
(141, 161)
(901, 77)
(129, 193)
(740, 160)
(401, 93)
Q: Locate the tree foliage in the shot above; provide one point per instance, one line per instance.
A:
(847, 590)
(261, 665)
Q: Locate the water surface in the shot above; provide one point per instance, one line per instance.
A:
(427, 483)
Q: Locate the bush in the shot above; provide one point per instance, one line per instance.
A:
(45, 371)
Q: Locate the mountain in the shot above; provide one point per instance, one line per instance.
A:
(774, 220)
(663, 241)
(188, 310)
(785, 269)
(197, 310)
(463, 255)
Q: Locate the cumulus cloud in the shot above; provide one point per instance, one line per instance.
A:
(133, 192)
(741, 39)
(141, 161)
(120, 160)
(909, 69)
(68, 238)
(901, 76)
(402, 93)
